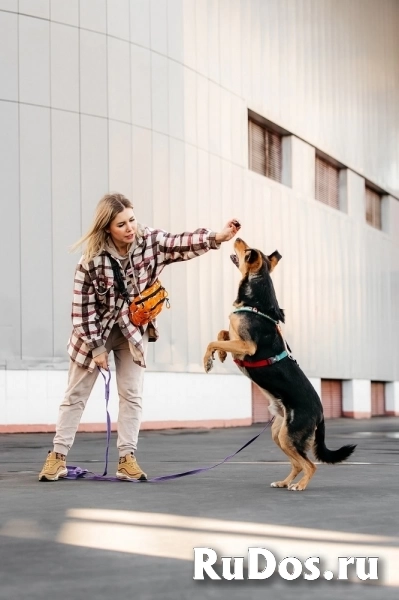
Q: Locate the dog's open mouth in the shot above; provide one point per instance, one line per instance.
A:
(234, 259)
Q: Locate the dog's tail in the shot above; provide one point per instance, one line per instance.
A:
(323, 454)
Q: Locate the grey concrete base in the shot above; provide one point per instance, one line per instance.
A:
(350, 498)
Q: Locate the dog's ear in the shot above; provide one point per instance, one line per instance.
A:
(250, 256)
(274, 258)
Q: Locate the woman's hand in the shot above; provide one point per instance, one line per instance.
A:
(229, 231)
(102, 360)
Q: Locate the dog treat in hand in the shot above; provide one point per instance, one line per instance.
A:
(236, 224)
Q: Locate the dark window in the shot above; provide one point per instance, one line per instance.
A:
(265, 151)
(327, 182)
(373, 208)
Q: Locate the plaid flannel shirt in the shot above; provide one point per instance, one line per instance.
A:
(97, 305)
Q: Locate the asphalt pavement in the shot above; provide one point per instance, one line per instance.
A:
(99, 540)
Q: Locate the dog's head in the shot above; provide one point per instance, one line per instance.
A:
(251, 261)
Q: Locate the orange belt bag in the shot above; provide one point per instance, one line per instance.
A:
(146, 305)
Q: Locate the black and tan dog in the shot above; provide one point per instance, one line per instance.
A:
(258, 348)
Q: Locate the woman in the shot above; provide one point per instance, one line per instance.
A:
(101, 323)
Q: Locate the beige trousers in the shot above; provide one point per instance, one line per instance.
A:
(129, 380)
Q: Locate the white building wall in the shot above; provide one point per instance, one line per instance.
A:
(150, 98)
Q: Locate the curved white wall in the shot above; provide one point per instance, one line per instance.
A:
(150, 97)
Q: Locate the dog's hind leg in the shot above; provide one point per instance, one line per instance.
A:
(223, 335)
(279, 436)
(296, 448)
(309, 469)
(300, 442)
(296, 468)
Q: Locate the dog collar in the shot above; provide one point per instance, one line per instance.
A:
(252, 309)
(266, 361)
(261, 363)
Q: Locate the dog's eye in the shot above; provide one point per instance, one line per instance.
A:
(251, 255)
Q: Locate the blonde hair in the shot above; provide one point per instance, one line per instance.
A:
(107, 209)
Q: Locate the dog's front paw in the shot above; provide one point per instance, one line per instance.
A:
(222, 355)
(208, 362)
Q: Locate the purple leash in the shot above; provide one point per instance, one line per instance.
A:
(75, 472)
(78, 473)
(107, 386)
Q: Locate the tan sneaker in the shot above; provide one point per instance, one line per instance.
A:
(128, 468)
(54, 467)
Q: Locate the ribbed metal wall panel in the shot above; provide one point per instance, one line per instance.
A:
(325, 70)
